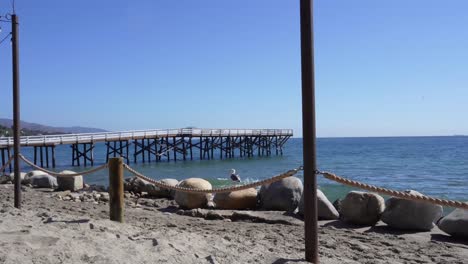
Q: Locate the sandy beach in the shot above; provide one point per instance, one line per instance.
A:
(49, 230)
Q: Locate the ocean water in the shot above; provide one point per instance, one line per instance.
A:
(436, 166)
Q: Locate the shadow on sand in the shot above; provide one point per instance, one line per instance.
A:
(284, 261)
(79, 221)
(449, 239)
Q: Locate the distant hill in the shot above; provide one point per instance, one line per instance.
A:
(38, 129)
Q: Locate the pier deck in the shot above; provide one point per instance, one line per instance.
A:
(156, 144)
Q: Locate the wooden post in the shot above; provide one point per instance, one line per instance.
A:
(35, 155)
(53, 156)
(148, 148)
(42, 156)
(201, 142)
(191, 153)
(16, 108)
(85, 150)
(309, 132)
(47, 156)
(116, 190)
(174, 148)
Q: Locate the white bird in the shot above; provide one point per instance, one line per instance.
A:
(234, 176)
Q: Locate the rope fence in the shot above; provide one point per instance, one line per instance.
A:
(289, 173)
(216, 190)
(404, 195)
(56, 174)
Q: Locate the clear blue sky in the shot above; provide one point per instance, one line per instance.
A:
(383, 68)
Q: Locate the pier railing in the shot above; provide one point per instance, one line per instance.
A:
(139, 134)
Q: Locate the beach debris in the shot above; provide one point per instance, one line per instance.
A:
(362, 208)
(74, 183)
(325, 209)
(43, 181)
(283, 195)
(234, 177)
(193, 200)
(411, 215)
(243, 199)
(455, 223)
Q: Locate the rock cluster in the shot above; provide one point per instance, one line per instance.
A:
(90, 197)
(40, 179)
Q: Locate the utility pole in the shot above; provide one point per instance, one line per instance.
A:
(16, 108)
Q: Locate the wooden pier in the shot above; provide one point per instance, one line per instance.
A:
(156, 145)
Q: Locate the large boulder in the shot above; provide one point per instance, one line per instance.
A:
(455, 223)
(283, 195)
(412, 215)
(69, 183)
(156, 191)
(243, 199)
(43, 181)
(193, 200)
(362, 208)
(325, 209)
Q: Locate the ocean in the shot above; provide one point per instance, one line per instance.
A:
(436, 166)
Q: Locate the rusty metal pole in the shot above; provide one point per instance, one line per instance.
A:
(309, 133)
(16, 109)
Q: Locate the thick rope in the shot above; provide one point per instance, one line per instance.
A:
(217, 190)
(404, 195)
(6, 164)
(56, 174)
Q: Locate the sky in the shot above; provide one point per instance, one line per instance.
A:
(383, 68)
